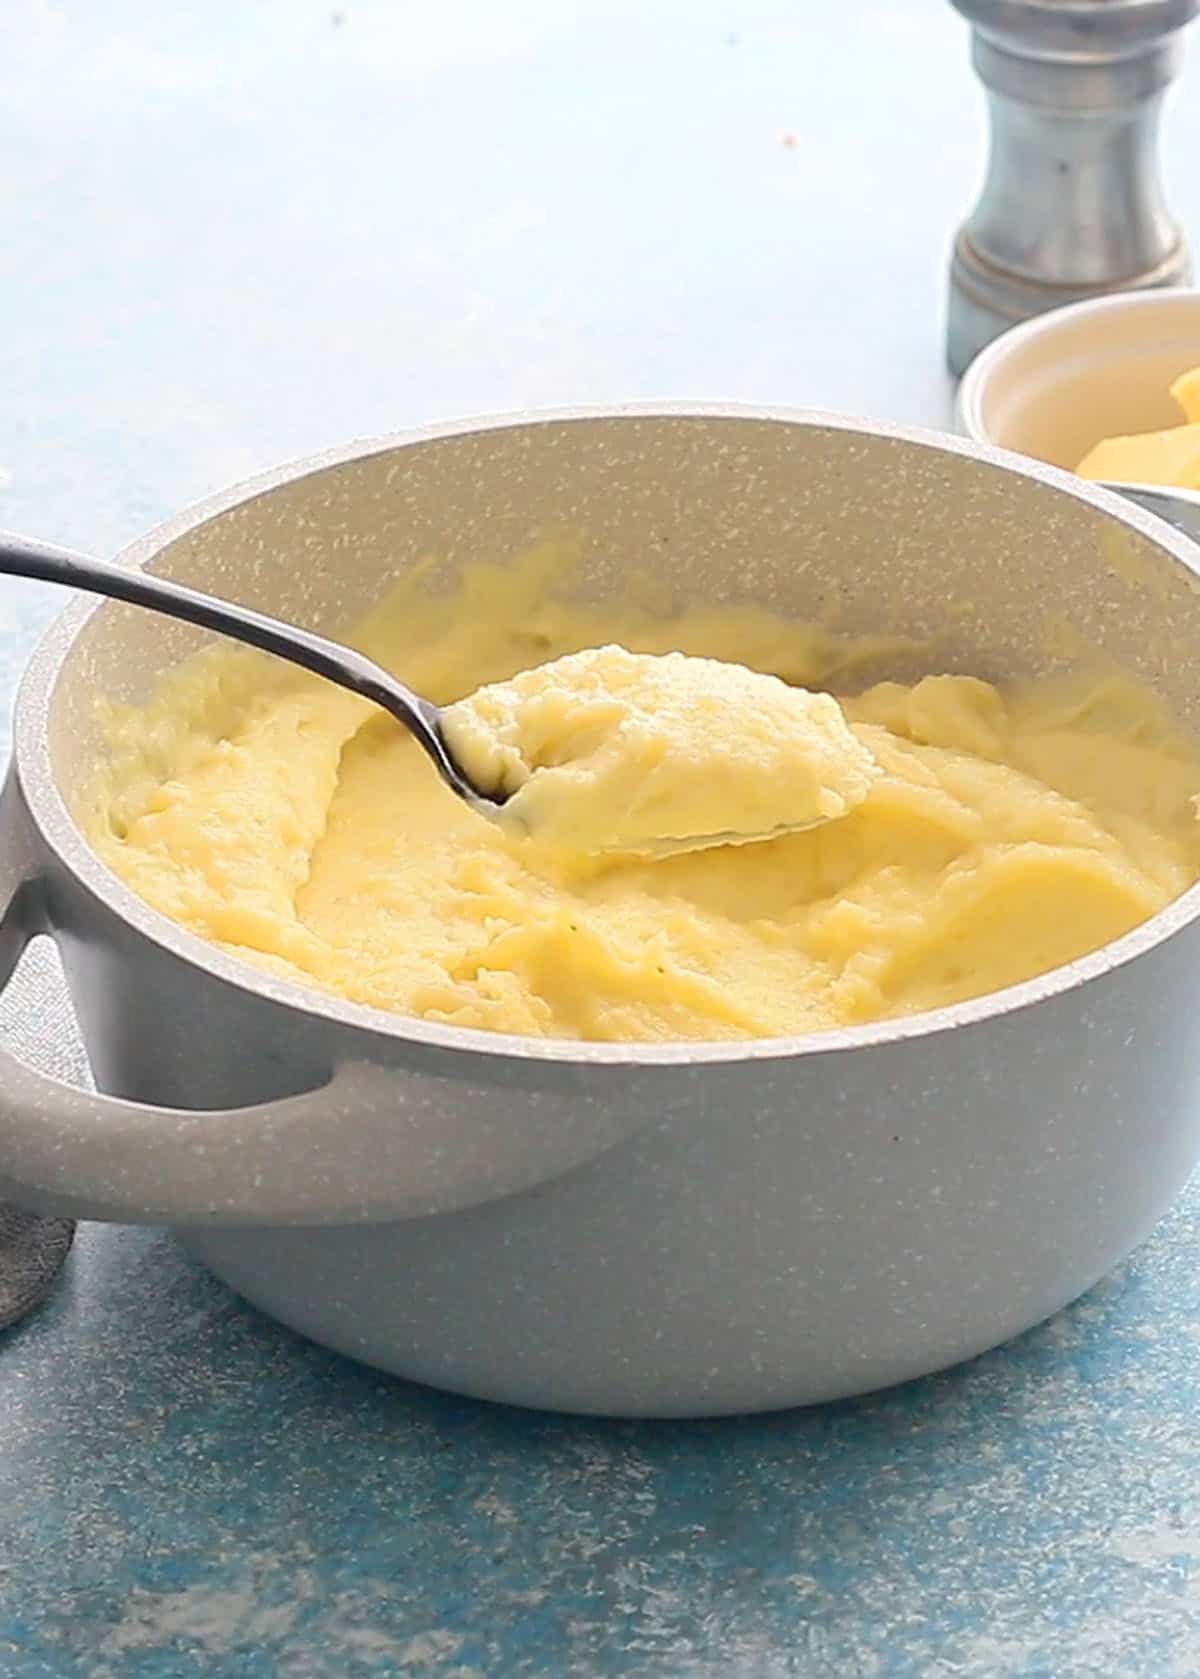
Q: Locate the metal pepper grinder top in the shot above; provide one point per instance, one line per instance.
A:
(1073, 205)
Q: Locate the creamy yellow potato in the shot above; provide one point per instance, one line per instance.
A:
(607, 750)
(1004, 832)
(1170, 458)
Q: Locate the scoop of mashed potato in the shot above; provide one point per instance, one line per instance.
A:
(607, 750)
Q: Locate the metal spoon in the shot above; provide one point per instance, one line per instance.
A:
(1180, 508)
(20, 557)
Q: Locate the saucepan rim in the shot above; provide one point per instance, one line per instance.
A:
(70, 848)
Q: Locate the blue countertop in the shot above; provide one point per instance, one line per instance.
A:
(234, 234)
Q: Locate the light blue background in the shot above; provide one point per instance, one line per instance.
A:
(234, 233)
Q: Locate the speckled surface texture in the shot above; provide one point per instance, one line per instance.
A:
(235, 234)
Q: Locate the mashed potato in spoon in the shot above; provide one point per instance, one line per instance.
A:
(607, 750)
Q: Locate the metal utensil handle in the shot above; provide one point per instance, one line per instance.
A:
(1180, 511)
(23, 557)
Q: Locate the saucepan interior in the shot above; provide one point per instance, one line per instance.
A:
(980, 563)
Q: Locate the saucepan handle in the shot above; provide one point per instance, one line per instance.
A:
(77, 1153)
(372, 1142)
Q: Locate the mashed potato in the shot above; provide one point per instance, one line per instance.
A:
(996, 834)
(607, 750)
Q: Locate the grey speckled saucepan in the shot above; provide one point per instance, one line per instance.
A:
(665, 1230)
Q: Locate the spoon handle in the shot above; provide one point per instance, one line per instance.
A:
(1181, 509)
(23, 557)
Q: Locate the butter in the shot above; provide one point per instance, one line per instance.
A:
(1170, 458)
(1186, 392)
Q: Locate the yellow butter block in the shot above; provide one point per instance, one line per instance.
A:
(1186, 392)
(1169, 457)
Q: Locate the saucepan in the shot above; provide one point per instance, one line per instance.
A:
(628, 1229)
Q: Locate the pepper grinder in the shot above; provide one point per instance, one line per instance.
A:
(1072, 206)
